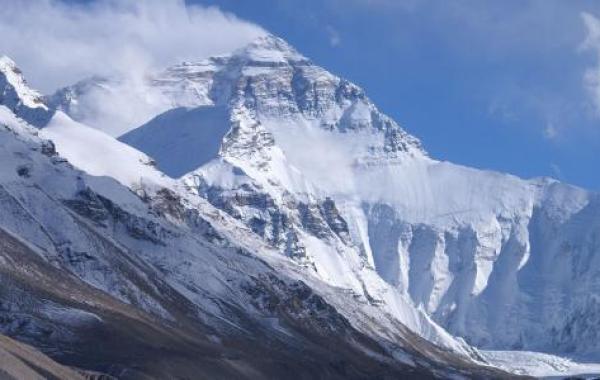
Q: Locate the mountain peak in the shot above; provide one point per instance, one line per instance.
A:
(14, 88)
(270, 42)
(268, 80)
(269, 49)
(6, 64)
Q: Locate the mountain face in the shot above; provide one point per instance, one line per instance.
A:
(265, 210)
(275, 201)
(314, 169)
(108, 265)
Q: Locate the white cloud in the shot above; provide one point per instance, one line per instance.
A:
(592, 43)
(334, 36)
(550, 132)
(56, 43)
(556, 171)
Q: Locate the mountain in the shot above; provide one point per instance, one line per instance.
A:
(317, 171)
(167, 139)
(260, 167)
(108, 265)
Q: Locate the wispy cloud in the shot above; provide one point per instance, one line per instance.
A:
(519, 58)
(550, 132)
(57, 43)
(592, 43)
(334, 36)
(556, 171)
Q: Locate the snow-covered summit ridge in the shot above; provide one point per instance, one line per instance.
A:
(270, 49)
(266, 50)
(17, 96)
(13, 84)
(265, 80)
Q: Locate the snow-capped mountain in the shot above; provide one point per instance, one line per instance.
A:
(285, 215)
(272, 153)
(108, 265)
(313, 167)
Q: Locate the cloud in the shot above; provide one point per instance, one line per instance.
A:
(591, 43)
(551, 131)
(334, 36)
(57, 43)
(556, 171)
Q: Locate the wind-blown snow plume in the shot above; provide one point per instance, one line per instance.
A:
(58, 43)
(592, 43)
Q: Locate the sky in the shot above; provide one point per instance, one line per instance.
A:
(503, 85)
(510, 85)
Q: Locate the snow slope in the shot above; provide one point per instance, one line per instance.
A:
(181, 139)
(101, 155)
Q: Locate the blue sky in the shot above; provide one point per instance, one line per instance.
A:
(491, 84)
